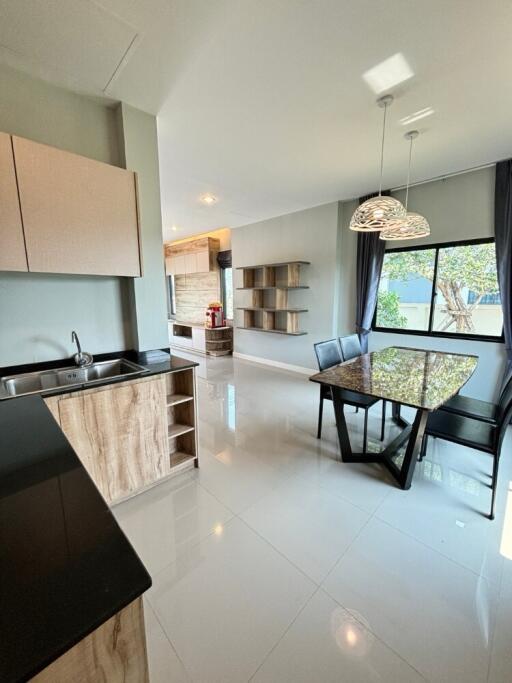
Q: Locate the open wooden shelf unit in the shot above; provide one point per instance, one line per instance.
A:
(181, 416)
(269, 310)
(219, 341)
(211, 341)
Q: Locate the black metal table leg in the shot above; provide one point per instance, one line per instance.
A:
(412, 433)
(395, 411)
(403, 475)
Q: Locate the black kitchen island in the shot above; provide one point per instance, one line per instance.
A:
(65, 565)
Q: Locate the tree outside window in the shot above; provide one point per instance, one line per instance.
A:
(447, 290)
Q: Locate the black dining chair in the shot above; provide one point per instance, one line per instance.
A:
(474, 408)
(473, 433)
(328, 355)
(350, 346)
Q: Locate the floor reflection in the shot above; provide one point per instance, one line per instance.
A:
(231, 407)
(349, 633)
(506, 535)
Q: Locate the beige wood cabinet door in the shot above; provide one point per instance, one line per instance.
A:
(120, 435)
(179, 264)
(203, 261)
(114, 652)
(12, 243)
(190, 264)
(79, 215)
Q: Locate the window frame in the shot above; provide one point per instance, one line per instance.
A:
(223, 291)
(171, 296)
(430, 332)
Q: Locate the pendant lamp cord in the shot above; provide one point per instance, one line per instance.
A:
(382, 147)
(408, 174)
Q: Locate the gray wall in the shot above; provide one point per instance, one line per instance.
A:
(148, 303)
(39, 311)
(347, 247)
(309, 235)
(457, 208)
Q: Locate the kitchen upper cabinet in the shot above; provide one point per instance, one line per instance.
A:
(190, 264)
(79, 215)
(193, 256)
(179, 264)
(203, 261)
(12, 243)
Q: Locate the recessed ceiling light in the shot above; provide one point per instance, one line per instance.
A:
(174, 228)
(388, 73)
(208, 199)
(416, 116)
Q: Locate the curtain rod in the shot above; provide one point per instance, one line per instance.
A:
(448, 175)
(439, 177)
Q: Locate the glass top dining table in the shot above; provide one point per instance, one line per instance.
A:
(421, 379)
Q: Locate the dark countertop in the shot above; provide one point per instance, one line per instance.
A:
(65, 565)
(413, 377)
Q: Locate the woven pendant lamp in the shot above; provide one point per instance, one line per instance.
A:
(414, 225)
(379, 213)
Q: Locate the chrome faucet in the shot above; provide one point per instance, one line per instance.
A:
(82, 358)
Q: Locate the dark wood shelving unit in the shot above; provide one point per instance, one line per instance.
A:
(269, 310)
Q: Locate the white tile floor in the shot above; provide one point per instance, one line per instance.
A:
(276, 563)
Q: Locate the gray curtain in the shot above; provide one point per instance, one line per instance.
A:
(503, 232)
(224, 259)
(370, 255)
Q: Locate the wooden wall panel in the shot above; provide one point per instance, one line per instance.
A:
(12, 243)
(194, 293)
(79, 215)
(114, 652)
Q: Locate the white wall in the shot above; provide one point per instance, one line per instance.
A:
(457, 208)
(309, 235)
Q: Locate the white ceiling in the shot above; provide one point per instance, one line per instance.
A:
(263, 102)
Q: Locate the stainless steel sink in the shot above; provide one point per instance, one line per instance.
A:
(46, 380)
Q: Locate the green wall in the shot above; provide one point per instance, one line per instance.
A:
(39, 311)
(148, 297)
(54, 116)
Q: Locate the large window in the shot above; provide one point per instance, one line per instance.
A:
(171, 297)
(441, 290)
(227, 292)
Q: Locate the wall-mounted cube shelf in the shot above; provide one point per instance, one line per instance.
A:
(269, 310)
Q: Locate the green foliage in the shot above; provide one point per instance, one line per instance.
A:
(471, 267)
(388, 311)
